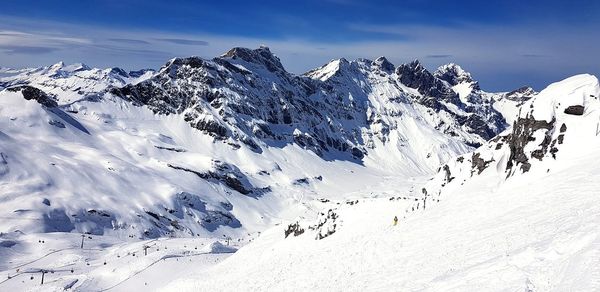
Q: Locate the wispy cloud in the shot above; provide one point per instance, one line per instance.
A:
(495, 55)
(434, 56)
(533, 56)
(129, 41)
(26, 50)
(190, 42)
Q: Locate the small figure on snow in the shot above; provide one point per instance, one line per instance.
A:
(395, 220)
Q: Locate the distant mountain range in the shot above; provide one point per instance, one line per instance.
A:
(230, 145)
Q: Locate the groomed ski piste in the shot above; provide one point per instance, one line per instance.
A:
(57, 262)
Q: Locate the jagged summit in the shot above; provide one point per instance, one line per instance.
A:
(328, 70)
(383, 64)
(454, 74)
(416, 76)
(262, 56)
(118, 71)
(521, 94)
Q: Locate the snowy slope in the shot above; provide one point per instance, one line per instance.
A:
(114, 167)
(229, 147)
(535, 230)
(218, 147)
(103, 264)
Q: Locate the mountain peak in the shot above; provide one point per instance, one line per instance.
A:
(416, 64)
(262, 56)
(453, 74)
(118, 71)
(60, 69)
(328, 70)
(383, 64)
(521, 94)
(413, 70)
(57, 66)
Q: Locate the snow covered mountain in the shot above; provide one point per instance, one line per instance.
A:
(304, 171)
(520, 213)
(560, 122)
(201, 147)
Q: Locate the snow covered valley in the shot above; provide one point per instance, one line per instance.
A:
(232, 174)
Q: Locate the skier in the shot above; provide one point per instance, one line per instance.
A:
(395, 220)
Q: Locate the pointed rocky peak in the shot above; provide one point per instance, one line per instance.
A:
(414, 75)
(415, 65)
(261, 56)
(383, 64)
(194, 62)
(57, 66)
(522, 94)
(118, 71)
(173, 65)
(334, 67)
(454, 74)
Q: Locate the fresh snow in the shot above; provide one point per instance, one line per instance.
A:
(532, 232)
(114, 169)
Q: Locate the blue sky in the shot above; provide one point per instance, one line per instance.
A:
(504, 44)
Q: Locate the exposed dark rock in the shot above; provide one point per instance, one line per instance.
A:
(414, 75)
(119, 72)
(357, 153)
(449, 176)
(478, 163)
(539, 153)
(30, 92)
(326, 225)
(576, 110)
(563, 128)
(521, 135)
(384, 65)
(261, 55)
(454, 75)
(4, 169)
(170, 148)
(294, 229)
(521, 95)
(229, 175)
(301, 181)
(56, 123)
(211, 127)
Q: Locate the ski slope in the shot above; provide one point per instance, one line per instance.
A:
(537, 233)
(104, 263)
(532, 231)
